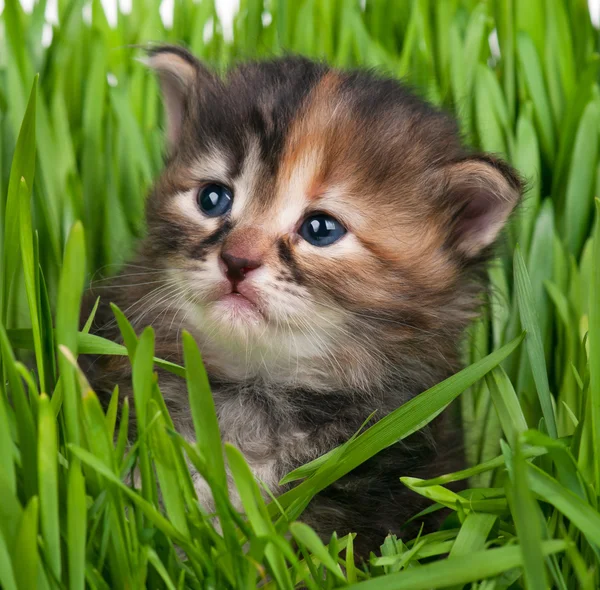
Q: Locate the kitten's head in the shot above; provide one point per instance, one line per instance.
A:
(322, 224)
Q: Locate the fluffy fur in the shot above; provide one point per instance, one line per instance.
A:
(332, 333)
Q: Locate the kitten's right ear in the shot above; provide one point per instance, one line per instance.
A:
(177, 71)
(482, 192)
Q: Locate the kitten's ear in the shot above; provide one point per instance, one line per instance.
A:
(177, 71)
(482, 192)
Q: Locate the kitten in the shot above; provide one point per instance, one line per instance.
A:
(323, 234)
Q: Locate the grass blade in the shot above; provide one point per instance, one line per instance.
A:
(506, 402)
(582, 177)
(533, 341)
(25, 552)
(48, 482)
(76, 526)
(527, 518)
(70, 290)
(594, 348)
(23, 167)
(580, 513)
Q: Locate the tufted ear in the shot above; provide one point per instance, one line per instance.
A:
(482, 193)
(177, 71)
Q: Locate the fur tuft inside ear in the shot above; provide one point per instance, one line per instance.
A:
(483, 192)
(177, 70)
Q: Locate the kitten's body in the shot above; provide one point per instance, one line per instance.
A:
(305, 342)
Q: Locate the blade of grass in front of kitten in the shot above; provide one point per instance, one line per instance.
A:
(533, 341)
(127, 332)
(206, 426)
(94, 344)
(208, 438)
(142, 378)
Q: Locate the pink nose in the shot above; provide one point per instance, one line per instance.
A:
(237, 268)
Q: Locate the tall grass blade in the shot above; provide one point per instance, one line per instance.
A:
(533, 341)
(23, 167)
(594, 348)
(48, 484)
(70, 290)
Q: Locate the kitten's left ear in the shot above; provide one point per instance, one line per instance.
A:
(482, 192)
(177, 70)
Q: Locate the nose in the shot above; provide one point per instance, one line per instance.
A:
(237, 268)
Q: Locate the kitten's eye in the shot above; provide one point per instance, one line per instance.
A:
(321, 230)
(215, 200)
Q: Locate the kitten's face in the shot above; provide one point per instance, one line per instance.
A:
(319, 219)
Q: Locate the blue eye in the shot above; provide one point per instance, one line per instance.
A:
(321, 230)
(215, 200)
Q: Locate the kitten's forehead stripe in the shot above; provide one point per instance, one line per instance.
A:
(307, 130)
(256, 102)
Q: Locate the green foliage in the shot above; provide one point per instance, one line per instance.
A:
(76, 160)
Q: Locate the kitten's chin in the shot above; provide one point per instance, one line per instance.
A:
(236, 310)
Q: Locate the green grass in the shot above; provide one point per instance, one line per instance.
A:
(79, 146)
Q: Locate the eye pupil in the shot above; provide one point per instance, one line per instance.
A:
(321, 230)
(215, 200)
